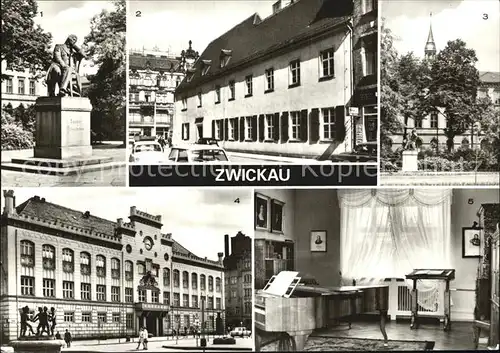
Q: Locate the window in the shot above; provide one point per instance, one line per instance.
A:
(295, 125)
(205, 69)
(100, 266)
(231, 129)
(233, 294)
(368, 5)
(434, 120)
(176, 278)
(418, 123)
(27, 253)
(27, 285)
(69, 316)
(326, 58)
(32, 88)
(248, 308)
(20, 85)
(232, 90)
(85, 263)
(217, 285)
(141, 294)
(248, 86)
(166, 298)
(177, 299)
(129, 270)
(194, 281)
(219, 129)
(185, 131)
(101, 292)
(115, 268)
(185, 300)
(166, 277)
(129, 320)
(370, 55)
(101, 318)
(68, 260)
(224, 59)
(116, 317)
(234, 279)
(269, 127)
(217, 94)
(49, 286)
(87, 317)
(202, 282)
(9, 85)
(248, 292)
(269, 80)
(200, 101)
(129, 295)
(194, 301)
(210, 283)
(141, 269)
(328, 123)
(68, 289)
(185, 280)
(294, 79)
(49, 257)
(247, 278)
(85, 291)
(210, 304)
(155, 297)
(184, 103)
(248, 128)
(115, 294)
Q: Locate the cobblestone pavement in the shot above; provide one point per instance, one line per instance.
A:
(440, 179)
(115, 176)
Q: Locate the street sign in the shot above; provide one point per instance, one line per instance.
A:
(354, 111)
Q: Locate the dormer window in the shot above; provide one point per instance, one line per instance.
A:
(190, 74)
(225, 56)
(206, 64)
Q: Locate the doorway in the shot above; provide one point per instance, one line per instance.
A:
(151, 324)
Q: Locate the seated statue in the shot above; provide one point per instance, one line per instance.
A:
(65, 63)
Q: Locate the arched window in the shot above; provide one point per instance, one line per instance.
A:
(27, 253)
(115, 268)
(217, 284)
(210, 283)
(194, 281)
(129, 270)
(176, 278)
(48, 257)
(185, 280)
(85, 263)
(166, 277)
(68, 260)
(141, 269)
(203, 282)
(100, 264)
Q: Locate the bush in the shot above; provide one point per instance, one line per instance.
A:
(14, 137)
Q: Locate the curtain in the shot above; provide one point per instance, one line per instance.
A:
(389, 232)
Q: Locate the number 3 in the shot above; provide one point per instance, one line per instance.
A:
(485, 16)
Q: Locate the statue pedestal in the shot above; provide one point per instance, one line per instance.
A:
(410, 161)
(37, 345)
(62, 127)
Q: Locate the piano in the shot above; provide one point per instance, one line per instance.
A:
(293, 309)
(446, 275)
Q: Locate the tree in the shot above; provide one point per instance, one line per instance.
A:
(105, 45)
(24, 45)
(453, 88)
(489, 124)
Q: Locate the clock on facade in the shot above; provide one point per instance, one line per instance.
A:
(148, 243)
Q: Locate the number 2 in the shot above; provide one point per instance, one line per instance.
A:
(138, 14)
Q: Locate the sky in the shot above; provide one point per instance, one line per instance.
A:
(170, 24)
(62, 18)
(409, 20)
(197, 218)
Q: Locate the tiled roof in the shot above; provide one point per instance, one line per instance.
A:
(157, 63)
(489, 77)
(254, 37)
(37, 207)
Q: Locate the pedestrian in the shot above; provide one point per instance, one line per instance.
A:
(67, 338)
(58, 336)
(146, 336)
(141, 338)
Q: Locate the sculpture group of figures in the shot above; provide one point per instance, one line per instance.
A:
(410, 142)
(46, 321)
(64, 67)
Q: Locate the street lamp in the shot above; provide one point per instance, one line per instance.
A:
(203, 340)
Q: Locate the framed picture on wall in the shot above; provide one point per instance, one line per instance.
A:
(471, 242)
(261, 211)
(277, 208)
(318, 241)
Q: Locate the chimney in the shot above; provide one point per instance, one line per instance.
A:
(226, 245)
(220, 255)
(86, 214)
(120, 222)
(10, 202)
(276, 6)
(132, 210)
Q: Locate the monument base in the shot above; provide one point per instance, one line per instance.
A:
(37, 345)
(410, 161)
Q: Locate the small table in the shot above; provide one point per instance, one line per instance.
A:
(446, 275)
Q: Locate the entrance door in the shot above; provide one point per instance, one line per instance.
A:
(151, 324)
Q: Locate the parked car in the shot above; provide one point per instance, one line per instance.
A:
(364, 152)
(197, 154)
(147, 152)
(207, 141)
(240, 332)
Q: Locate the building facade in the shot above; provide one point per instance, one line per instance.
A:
(280, 85)
(153, 77)
(21, 87)
(104, 278)
(238, 278)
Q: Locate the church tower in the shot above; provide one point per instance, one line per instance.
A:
(430, 46)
